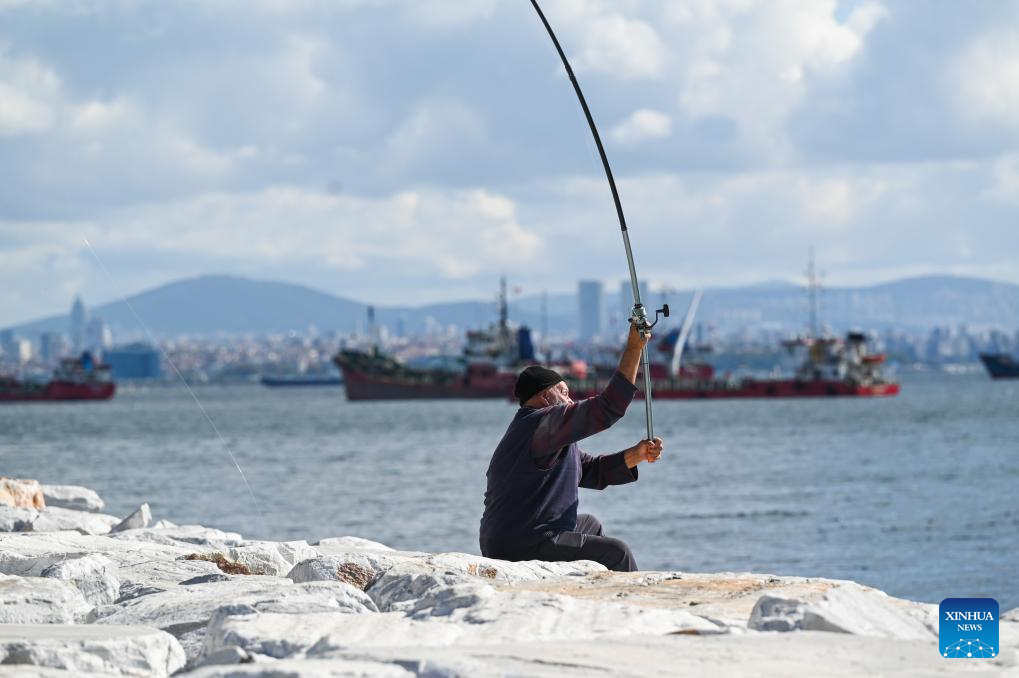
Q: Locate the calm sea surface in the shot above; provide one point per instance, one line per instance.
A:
(916, 495)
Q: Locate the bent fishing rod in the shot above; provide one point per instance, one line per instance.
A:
(638, 315)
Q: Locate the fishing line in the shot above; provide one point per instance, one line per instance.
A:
(173, 366)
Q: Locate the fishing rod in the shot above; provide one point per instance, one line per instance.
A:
(638, 314)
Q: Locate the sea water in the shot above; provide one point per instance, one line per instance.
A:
(916, 495)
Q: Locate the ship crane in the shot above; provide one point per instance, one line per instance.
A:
(684, 333)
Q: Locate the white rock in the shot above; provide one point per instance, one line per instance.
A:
(55, 519)
(271, 558)
(403, 582)
(472, 615)
(848, 608)
(141, 517)
(227, 656)
(332, 545)
(17, 519)
(139, 562)
(33, 600)
(72, 497)
(188, 609)
(399, 588)
(28, 671)
(361, 569)
(308, 668)
(184, 535)
(95, 576)
(501, 570)
(792, 655)
(164, 523)
(132, 651)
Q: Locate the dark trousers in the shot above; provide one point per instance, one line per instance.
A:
(585, 543)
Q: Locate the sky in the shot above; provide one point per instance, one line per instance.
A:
(399, 151)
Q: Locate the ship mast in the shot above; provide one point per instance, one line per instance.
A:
(813, 289)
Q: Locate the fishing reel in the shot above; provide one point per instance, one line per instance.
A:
(638, 316)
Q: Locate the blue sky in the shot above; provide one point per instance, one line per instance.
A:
(398, 151)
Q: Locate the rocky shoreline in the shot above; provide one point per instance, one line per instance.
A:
(87, 594)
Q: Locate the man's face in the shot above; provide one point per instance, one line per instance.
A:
(557, 394)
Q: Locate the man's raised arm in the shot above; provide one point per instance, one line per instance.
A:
(572, 422)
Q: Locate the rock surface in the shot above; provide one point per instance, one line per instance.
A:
(72, 497)
(17, 518)
(150, 600)
(124, 650)
(141, 517)
(34, 600)
(21, 494)
(95, 576)
(55, 519)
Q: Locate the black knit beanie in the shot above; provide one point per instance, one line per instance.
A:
(534, 380)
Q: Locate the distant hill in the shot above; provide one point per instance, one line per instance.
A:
(212, 305)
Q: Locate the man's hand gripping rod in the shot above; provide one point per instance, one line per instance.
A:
(638, 316)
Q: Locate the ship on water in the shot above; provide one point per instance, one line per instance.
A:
(1000, 365)
(827, 366)
(296, 380)
(487, 368)
(80, 378)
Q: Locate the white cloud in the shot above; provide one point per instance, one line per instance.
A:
(752, 61)
(448, 233)
(99, 116)
(29, 91)
(986, 76)
(621, 47)
(21, 113)
(1004, 185)
(642, 125)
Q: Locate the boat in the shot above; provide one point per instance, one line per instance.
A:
(80, 378)
(487, 368)
(1000, 365)
(830, 367)
(288, 380)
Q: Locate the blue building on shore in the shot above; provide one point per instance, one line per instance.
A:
(133, 361)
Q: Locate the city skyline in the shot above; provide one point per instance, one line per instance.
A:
(297, 141)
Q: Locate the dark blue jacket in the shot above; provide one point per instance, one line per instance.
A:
(537, 467)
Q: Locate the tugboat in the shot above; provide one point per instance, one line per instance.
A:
(487, 369)
(1000, 365)
(79, 378)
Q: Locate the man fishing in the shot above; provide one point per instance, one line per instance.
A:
(532, 497)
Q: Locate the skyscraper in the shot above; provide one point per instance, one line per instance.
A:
(52, 346)
(626, 296)
(98, 336)
(79, 322)
(590, 296)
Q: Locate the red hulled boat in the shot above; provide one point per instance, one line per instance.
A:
(830, 367)
(74, 379)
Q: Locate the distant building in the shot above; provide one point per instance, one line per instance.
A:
(7, 347)
(589, 293)
(626, 296)
(133, 361)
(78, 325)
(52, 347)
(22, 352)
(98, 336)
